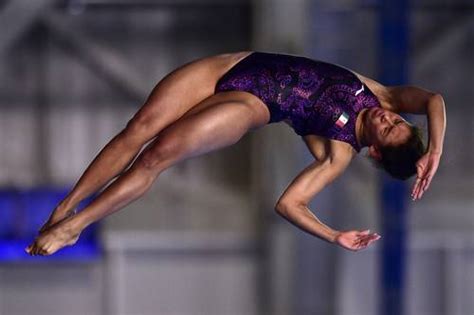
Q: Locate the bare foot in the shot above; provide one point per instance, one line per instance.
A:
(56, 217)
(62, 234)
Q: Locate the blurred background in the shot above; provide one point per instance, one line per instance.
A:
(205, 240)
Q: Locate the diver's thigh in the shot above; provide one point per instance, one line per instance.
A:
(217, 126)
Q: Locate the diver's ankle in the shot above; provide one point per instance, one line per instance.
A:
(65, 209)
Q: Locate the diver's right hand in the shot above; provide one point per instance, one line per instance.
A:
(356, 240)
(426, 168)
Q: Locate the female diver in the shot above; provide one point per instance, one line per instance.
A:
(212, 102)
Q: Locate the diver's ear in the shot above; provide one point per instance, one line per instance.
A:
(375, 153)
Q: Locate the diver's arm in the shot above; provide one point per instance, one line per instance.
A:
(415, 100)
(292, 205)
(436, 112)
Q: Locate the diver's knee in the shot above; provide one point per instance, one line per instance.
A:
(160, 155)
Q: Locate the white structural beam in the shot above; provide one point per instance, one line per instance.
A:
(16, 17)
(440, 46)
(101, 59)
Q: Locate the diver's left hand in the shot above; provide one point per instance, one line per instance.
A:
(426, 168)
(356, 240)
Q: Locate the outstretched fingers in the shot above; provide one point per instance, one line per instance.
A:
(422, 186)
(426, 183)
(415, 188)
(362, 233)
(419, 178)
(425, 174)
(364, 239)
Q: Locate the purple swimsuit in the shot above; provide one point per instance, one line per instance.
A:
(315, 97)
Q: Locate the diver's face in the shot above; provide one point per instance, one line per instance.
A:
(386, 128)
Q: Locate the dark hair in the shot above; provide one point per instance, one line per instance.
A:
(400, 161)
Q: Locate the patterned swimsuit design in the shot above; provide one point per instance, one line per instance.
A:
(314, 96)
